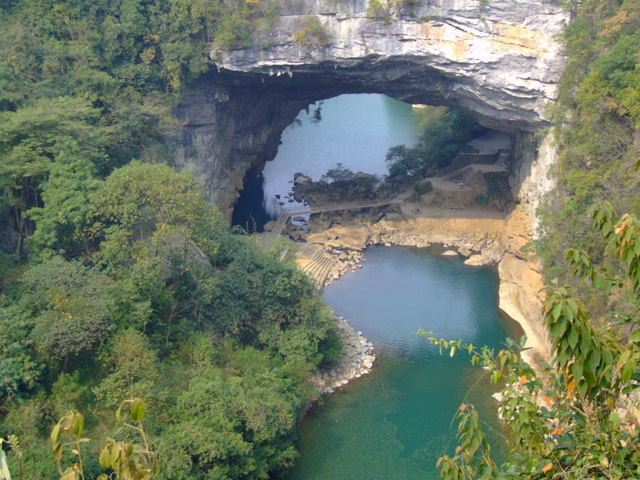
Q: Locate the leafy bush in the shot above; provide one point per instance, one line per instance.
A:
(422, 187)
(444, 133)
(377, 11)
(331, 348)
(339, 174)
(596, 122)
(216, 430)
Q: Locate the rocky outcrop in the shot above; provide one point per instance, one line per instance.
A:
(356, 360)
(520, 297)
(497, 59)
(531, 178)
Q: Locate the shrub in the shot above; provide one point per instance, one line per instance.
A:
(312, 34)
(422, 187)
(338, 174)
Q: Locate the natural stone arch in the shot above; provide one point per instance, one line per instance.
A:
(497, 59)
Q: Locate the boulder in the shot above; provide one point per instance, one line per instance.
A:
(479, 261)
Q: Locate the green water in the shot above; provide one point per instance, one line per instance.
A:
(394, 423)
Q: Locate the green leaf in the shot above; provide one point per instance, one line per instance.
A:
(57, 452)
(105, 457)
(573, 337)
(115, 456)
(576, 370)
(624, 357)
(582, 388)
(55, 435)
(137, 410)
(4, 468)
(635, 336)
(614, 419)
(628, 370)
(78, 424)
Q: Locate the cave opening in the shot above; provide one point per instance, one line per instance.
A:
(353, 134)
(354, 131)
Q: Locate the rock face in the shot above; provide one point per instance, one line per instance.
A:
(496, 59)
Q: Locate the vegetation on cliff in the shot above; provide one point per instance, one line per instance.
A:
(444, 133)
(596, 129)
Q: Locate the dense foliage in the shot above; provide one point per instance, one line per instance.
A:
(597, 122)
(444, 133)
(167, 305)
(123, 281)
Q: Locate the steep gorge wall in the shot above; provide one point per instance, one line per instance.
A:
(495, 58)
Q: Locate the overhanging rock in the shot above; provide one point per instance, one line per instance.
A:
(495, 58)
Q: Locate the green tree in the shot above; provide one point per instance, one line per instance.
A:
(71, 304)
(32, 138)
(271, 304)
(444, 133)
(236, 423)
(133, 362)
(18, 370)
(338, 174)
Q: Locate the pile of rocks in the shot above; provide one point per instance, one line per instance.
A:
(356, 360)
(345, 261)
(482, 254)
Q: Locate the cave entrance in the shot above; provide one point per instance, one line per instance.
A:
(354, 130)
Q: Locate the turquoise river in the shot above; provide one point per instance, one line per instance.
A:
(394, 423)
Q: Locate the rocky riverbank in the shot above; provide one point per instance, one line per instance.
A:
(485, 237)
(356, 360)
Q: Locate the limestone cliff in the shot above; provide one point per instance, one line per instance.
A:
(495, 58)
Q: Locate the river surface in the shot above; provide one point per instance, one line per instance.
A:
(355, 130)
(394, 423)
